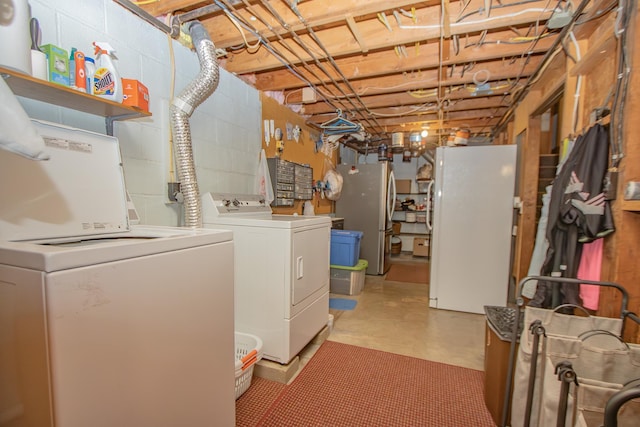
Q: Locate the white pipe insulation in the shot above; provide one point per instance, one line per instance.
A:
(181, 109)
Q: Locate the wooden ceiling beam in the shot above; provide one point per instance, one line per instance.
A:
(477, 107)
(339, 41)
(387, 62)
(318, 13)
(353, 27)
(461, 116)
(169, 6)
(402, 84)
(436, 125)
(400, 100)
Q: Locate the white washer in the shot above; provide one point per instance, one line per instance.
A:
(281, 271)
(102, 323)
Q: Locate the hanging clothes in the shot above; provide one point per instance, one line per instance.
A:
(578, 213)
(542, 244)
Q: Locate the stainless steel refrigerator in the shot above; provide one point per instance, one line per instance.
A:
(366, 204)
(473, 199)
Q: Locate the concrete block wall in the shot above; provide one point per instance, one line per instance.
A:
(225, 128)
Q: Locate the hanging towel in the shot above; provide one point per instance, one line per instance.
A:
(540, 248)
(263, 179)
(589, 269)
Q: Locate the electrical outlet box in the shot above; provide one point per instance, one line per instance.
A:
(173, 188)
(560, 18)
(308, 95)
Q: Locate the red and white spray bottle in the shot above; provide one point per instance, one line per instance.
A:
(106, 80)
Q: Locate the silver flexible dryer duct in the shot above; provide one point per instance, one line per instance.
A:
(181, 109)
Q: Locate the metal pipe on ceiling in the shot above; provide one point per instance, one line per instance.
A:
(315, 59)
(202, 11)
(281, 57)
(428, 156)
(334, 65)
(136, 10)
(317, 62)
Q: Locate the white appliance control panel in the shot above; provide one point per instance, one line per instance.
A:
(223, 204)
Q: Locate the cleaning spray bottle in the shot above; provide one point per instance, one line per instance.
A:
(72, 68)
(80, 76)
(106, 80)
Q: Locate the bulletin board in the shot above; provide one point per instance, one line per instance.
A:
(304, 150)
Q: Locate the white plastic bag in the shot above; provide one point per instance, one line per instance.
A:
(17, 134)
(308, 208)
(263, 179)
(333, 181)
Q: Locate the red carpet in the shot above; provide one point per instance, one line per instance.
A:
(345, 385)
(252, 405)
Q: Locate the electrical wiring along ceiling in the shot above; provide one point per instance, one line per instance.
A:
(399, 66)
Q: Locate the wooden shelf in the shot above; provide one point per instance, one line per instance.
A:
(55, 94)
(630, 205)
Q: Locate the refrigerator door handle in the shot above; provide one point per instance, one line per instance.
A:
(429, 202)
(391, 200)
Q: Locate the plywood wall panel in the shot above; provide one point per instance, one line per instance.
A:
(303, 151)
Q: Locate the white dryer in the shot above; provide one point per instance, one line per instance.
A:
(281, 271)
(103, 323)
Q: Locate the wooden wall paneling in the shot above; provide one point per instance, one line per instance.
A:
(623, 250)
(528, 118)
(303, 151)
(529, 194)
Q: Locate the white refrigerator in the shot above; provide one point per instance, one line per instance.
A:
(473, 195)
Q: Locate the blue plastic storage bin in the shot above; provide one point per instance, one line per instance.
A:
(345, 247)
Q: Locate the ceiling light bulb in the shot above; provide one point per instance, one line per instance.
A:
(424, 133)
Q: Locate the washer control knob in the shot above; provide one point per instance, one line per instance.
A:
(236, 202)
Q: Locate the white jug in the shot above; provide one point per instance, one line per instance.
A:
(14, 26)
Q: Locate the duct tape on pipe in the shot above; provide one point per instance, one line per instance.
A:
(183, 106)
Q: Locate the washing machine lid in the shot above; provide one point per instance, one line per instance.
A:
(49, 255)
(79, 191)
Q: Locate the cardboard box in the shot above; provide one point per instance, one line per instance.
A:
(58, 63)
(135, 94)
(420, 246)
(403, 186)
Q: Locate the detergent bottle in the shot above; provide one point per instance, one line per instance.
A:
(106, 81)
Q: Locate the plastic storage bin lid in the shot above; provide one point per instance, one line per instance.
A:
(361, 265)
(347, 233)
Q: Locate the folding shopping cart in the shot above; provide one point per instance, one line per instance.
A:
(567, 366)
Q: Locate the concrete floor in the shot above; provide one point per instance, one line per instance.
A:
(395, 317)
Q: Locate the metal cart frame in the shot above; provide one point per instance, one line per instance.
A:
(624, 313)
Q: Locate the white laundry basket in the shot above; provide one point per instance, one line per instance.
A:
(248, 353)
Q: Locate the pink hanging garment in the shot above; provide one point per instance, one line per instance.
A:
(589, 269)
